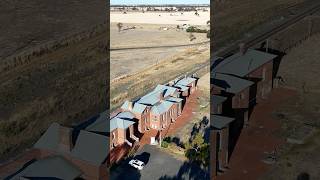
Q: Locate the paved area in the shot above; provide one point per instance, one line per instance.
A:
(159, 165)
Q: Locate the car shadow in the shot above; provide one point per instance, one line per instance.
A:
(144, 157)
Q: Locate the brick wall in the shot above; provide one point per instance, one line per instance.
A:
(213, 154)
(241, 100)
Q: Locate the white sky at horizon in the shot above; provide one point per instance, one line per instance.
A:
(128, 2)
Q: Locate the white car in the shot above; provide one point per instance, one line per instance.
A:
(137, 164)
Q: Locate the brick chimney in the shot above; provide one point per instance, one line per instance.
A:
(161, 96)
(242, 48)
(65, 139)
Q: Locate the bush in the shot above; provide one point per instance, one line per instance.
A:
(167, 139)
(196, 30)
(164, 144)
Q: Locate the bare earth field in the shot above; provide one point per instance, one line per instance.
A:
(161, 17)
(300, 114)
(146, 35)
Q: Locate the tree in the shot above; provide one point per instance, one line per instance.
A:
(119, 25)
(197, 150)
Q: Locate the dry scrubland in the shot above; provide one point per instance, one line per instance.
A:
(126, 62)
(66, 85)
(134, 72)
(234, 18)
(300, 114)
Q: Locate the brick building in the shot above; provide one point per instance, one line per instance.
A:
(155, 110)
(253, 65)
(237, 91)
(219, 142)
(238, 83)
(67, 153)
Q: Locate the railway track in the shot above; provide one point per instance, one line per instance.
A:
(156, 47)
(295, 17)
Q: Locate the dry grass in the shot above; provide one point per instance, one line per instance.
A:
(234, 19)
(65, 86)
(141, 82)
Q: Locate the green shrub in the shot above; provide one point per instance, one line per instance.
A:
(164, 144)
(167, 139)
(196, 30)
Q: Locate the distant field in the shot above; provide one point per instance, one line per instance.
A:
(126, 62)
(161, 17)
(234, 19)
(25, 23)
(66, 85)
(135, 72)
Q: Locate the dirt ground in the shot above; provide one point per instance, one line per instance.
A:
(161, 17)
(135, 71)
(261, 137)
(299, 115)
(126, 62)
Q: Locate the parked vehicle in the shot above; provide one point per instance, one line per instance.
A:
(136, 164)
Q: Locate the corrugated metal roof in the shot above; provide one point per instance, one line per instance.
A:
(161, 108)
(50, 139)
(101, 124)
(182, 88)
(123, 120)
(139, 108)
(168, 90)
(230, 83)
(174, 99)
(50, 167)
(241, 65)
(216, 100)
(186, 81)
(125, 105)
(220, 122)
(91, 147)
(151, 98)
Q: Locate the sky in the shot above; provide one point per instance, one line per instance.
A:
(159, 2)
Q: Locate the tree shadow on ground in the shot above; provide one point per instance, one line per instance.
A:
(303, 176)
(189, 170)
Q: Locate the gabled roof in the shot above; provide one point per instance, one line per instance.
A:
(101, 124)
(125, 105)
(216, 100)
(186, 81)
(181, 87)
(161, 108)
(151, 98)
(220, 122)
(50, 167)
(230, 83)
(139, 108)
(241, 65)
(91, 147)
(168, 90)
(174, 99)
(123, 120)
(50, 139)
